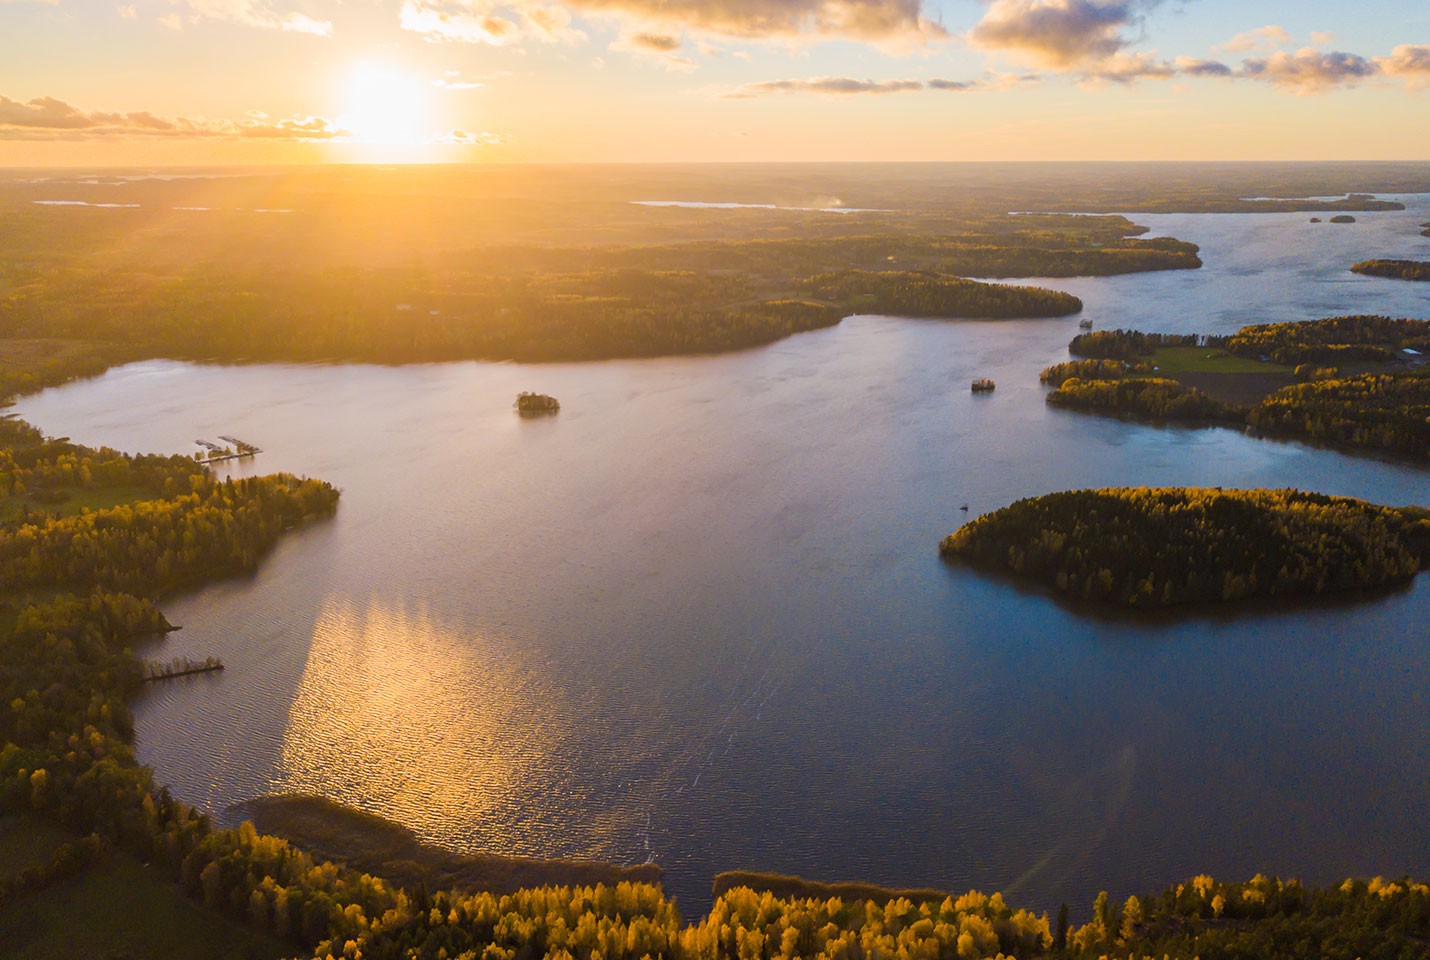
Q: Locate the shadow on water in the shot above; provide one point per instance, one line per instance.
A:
(1212, 612)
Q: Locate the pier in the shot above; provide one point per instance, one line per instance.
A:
(180, 667)
(216, 453)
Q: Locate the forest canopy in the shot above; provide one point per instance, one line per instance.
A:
(1357, 382)
(1152, 547)
(1394, 269)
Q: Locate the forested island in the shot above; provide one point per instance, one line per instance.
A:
(536, 404)
(1357, 382)
(1156, 547)
(1394, 269)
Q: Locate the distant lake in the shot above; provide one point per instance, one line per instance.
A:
(699, 615)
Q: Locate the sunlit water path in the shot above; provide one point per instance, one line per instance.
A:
(699, 616)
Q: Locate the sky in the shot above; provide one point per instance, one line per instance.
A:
(200, 82)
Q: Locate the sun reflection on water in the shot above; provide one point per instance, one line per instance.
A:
(400, 715)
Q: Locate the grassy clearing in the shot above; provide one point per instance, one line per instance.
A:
(27, 843)
(121, 909)
(1173, 360)
(76, 500)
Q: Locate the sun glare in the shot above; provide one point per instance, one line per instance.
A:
(385, 107)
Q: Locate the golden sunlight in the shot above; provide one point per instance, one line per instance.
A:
(386, 107)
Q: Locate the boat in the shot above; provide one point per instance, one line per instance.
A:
(983, 385)
(1085, 324)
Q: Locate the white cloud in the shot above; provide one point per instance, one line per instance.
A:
(1268, 37)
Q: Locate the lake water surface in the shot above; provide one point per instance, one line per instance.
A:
(699, 616)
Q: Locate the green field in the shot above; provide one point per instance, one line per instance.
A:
(122, 909)
(1169, 360)
(119, 908)
(76, 500)
(27, 843)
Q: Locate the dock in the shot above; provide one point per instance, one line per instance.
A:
(180, 667)
(238, 448)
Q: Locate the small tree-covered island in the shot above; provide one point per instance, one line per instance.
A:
(1394, 269)
(536, 404)
(1156, 547)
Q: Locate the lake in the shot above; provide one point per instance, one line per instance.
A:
(700, 617)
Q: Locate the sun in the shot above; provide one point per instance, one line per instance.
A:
(385, 107)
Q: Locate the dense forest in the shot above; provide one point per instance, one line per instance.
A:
(1372, 411)
(1335, 340)
(1131, 344)
(1381, 403)
(1059, 373)
(1148, 547)
(339, 284)
(1394, 269)
(910, 294)
(1155, 398)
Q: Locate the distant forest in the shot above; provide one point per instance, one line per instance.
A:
(380, 283)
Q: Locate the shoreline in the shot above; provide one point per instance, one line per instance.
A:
(375, 845)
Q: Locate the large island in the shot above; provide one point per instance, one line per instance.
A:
(1151, 547)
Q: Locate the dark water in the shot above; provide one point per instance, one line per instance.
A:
(699, 616)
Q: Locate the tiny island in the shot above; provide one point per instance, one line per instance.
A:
(536, 405)
(1394, 269)
(1158, 547)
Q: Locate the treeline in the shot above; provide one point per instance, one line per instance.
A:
(1132, 344)
(1380, 411)
(1336, 340)
(1148, 547)
(916, 294)
(555, 304)
(1394, 269)
(1059, 373)
(1151, 397)
(1372, 411)
(148, 546)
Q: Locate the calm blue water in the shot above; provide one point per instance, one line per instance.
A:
(699, 616)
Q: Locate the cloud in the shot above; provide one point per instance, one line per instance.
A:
(866, 20)
(890, 22)
(1309, 70)
(1130, 67)
(251, 13)
(1193, 67)
(1058, 33)
(849, 86)
(1268, 37)
(45, 118)
(663, 48)
(1320, 38)
(654, 42)
(469, 138)
(1409, 61)
(488, 21)
(828, 86)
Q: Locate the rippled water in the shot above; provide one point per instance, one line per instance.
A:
(699, 616)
